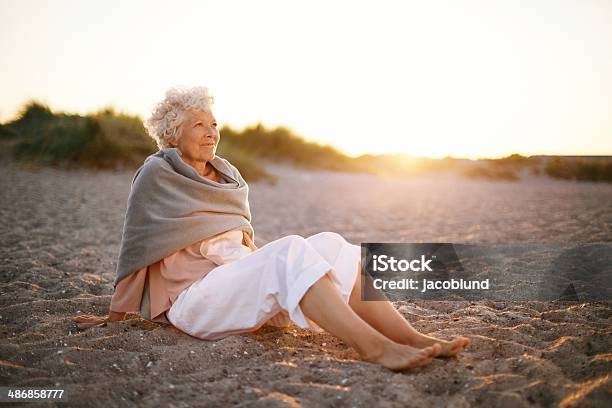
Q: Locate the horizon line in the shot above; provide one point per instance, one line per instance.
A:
(404, 154)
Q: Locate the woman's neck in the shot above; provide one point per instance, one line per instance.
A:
(200, 166)
(204, 168)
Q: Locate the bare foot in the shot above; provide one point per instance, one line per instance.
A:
(87, 321)
(449, 348)
(399, 357)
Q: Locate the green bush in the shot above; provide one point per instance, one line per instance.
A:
(104, 139)
(580, 169)
(490, 173)
(245, 163)
(6, 133)
(110, 139)
(282, 145)
(63, 139)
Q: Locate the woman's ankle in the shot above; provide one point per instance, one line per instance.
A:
(375, 350)
(410, 337)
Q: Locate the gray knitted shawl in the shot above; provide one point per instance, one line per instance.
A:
(171, 206)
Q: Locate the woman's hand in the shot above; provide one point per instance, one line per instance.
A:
(248, 241)
(88, 321)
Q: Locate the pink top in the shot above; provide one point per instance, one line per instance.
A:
(168, 277)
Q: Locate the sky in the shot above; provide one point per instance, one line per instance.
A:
(426, 78)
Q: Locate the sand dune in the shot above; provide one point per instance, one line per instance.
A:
(60, 234)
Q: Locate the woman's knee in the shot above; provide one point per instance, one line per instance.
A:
(326, 236)
(327, 243)
(293, 240)
(290, 244)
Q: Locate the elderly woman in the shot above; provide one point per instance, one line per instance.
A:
(187, 254)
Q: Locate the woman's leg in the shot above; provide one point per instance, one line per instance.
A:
(381, 315)
(323, 304)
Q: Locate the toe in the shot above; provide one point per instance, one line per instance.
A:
(436, 350)
(424, 359)
(459, 344)
(462, 342)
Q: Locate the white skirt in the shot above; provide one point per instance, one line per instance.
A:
(265, 286)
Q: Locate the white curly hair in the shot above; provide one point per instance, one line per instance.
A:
(167, 115)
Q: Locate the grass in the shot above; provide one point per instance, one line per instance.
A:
(104, 139)
(282, 145)
(111, 139)
(568, 168)
(490, 173)
(580, 169)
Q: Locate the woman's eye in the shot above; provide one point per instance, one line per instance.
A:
(214, 124)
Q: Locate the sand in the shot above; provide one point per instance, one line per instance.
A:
(60, 233)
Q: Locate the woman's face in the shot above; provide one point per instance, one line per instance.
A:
(198, 136)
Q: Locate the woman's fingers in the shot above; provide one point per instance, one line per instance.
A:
(87, 321)
(81, 318)
(88, 318)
